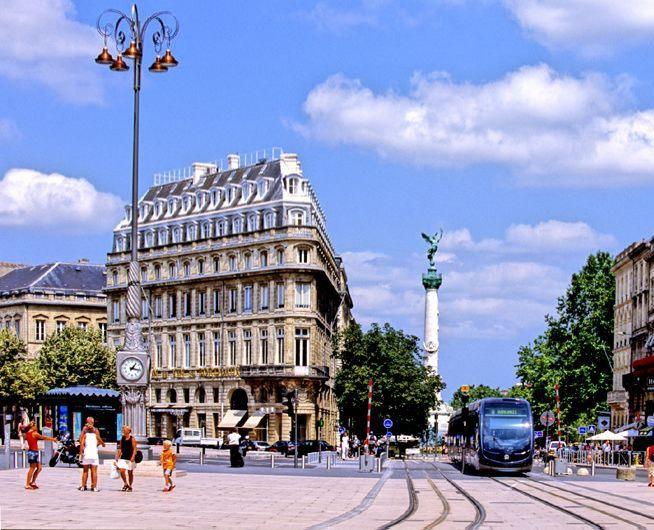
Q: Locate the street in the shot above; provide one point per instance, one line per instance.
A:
(412, 494)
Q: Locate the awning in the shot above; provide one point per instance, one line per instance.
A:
(627, 427)
(254, 420)
(608, 435)
(232, 418)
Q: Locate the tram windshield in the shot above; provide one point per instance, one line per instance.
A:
(506, 427)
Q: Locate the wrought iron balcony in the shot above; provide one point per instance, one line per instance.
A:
(280, 370)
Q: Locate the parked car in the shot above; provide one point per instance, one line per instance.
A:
(556, 445)
(155, 440)
(259, 445)
(283, 447)
(312, 446)
(195, 438)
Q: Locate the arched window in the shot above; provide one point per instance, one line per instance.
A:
(114, 278)
(302, 255)
(236, 225)
(269, 220)
(232, 263)
(191, 232)
(221, 228)
(187, 268)
(263, 258)
(177, 234)
(205, 230)
(216, 264)
(247, 261)
(238, 400)
(215, 197)
(157, 272)
(171, 206)
(200, 266)
(172, 270)
(297, 217)
(172, 396)
(201, 395)
(252, 223)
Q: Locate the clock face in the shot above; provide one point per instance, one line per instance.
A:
(131, 369)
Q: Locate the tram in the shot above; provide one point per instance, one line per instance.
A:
(492, 434)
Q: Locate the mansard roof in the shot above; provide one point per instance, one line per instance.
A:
(71, 277)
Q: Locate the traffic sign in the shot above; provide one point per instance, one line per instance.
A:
(592, 428)
(604, 422)
(341, 430)
(388, 423)
(538, 434)
(582, 430)
(465, 389)
(547, 418)
(389, 434)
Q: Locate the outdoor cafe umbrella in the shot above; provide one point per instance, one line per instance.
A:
(607, 435)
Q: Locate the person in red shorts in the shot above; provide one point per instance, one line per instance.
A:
(32, 438)
(649, 465)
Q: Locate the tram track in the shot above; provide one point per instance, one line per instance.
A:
(413, 502)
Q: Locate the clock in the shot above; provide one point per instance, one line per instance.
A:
(131, 369)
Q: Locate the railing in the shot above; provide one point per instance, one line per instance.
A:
(276, 370)
(599, 457)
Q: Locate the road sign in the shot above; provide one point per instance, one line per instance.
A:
(465, 389)
(582, 430)
(389, 434)
(341, 430)
(547, 418)
(388, 423)
(592, 429)
(604, 422)
(538, 434)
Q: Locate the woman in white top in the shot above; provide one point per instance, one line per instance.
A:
(89, 442)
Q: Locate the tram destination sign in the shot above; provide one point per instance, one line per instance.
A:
(547, 418)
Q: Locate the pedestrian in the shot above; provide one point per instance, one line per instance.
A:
(345, 446)
(33, 456)
(88, 446)
(234, 444)
(125, 456)
(168, 460)
(23, 429)
(649, 464)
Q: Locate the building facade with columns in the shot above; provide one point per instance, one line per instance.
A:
(242, 292)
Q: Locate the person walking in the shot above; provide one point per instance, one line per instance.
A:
(32, 438)
(88, 446)
(649, 464)
(234, 443)
(168, 460)
(125, 456)
(345, 446)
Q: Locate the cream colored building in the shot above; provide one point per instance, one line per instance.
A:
(242, 294)
(37, 301)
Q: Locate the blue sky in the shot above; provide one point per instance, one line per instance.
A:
(524, 128)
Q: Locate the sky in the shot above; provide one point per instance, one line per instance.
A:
(523, 128)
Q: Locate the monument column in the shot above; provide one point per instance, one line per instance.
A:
(431, 281)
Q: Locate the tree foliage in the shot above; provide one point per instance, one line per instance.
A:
(21, 380)
(404, 389)
(475, 392)
(75, 356)
(575, 349)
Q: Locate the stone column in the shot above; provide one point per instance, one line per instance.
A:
(431, 281)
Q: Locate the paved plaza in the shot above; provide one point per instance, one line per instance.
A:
(411, 495)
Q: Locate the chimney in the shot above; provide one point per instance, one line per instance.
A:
(291, 163)
(233, 161)
(201, 169)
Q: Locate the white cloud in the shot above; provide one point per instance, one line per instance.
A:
(546, 237)
(547, 128)
(40, 41)
(29, 198)
(594, 26)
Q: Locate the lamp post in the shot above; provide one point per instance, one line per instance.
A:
(133, 361)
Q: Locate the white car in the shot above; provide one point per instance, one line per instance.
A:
(195, 438)
(556, 445)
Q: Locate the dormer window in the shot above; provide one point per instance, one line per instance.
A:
(262, 188)
(230, 195)
(187, 203)
(215, 197)
(268, 220)
(293, 185)
(297, 217)
(171, 206)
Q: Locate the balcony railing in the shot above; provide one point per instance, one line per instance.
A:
(276, 370)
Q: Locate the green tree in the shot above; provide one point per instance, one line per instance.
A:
(404, 389)
(76, 356)
(574, 351)
(476, 392)
(21, 380)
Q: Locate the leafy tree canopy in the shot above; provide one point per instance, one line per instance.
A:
(476, 392)
(21, 380)
(404, 389)
(75, 356)
(575, 349)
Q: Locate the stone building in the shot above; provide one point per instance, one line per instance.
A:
(632, 396)
(242, 293)
(37, 301)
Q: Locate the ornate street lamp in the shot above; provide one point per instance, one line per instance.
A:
(133, 361)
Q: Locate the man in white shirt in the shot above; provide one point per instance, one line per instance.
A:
(345, 446)
(235, 457)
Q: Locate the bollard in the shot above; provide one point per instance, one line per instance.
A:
(329, 462)
(592, 468)
(24, 458)
(202, 456)
(15, 459)
(272, 460)
(630, 458)
(304, 461)
(177, 448)
(378, 465)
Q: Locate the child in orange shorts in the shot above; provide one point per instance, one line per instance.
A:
(168, 460)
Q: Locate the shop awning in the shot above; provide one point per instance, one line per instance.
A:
(254, 420)
(232, 418)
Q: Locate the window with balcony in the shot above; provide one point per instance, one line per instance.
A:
(280, 294)
(187, 350)
(263, 345)
(302, 295)
(280, 345)
(202, 352)
(247, 299)
(172, 351)
(247, 347)
(301, 346)
(232, 348)
(303, 255)
(264, 296)
(217, 353)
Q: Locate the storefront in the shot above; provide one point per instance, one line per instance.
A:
(71, 406)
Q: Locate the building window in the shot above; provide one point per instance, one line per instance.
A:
(114, 278)
(265, 296)
(280, 346)
(263, 258)
(232, 348)
(216, 302)
(158, 307)
(236, 225)
(172, 270)
(252, 223)
(187, 268)
(263, 345)
(202, 302)
(247, 299)
(222, 228)
(187, 350)
(205, 230)
(200, 266)
(40, 330)
(247, 261)
(279, 295)
(217, 354)
(145, 308)
(172, 395)
(172, 306)
(157, 272)
(172, 351)
(144, 274)
(303, 255)
(301, 346)
(102, 326)
(292, 186)
(83, 325)
(216, 264)
(202, 352)
(302, 295)
(280, 256)
(157, 395)
(186, 301)
(247, 347)
(232, 263)
(233, 298)
(297, 217)
(158, 353)
(61, 324)
(187, 395)
(268, 220)
(115, 310)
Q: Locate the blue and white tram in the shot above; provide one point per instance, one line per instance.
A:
(492, 434)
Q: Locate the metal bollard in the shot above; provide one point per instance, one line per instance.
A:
(272, 460)
(15, 459)
(202, 456)
(177, 448)
(378, 465)
(24, 458)
(304, 461)
(329, 461)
